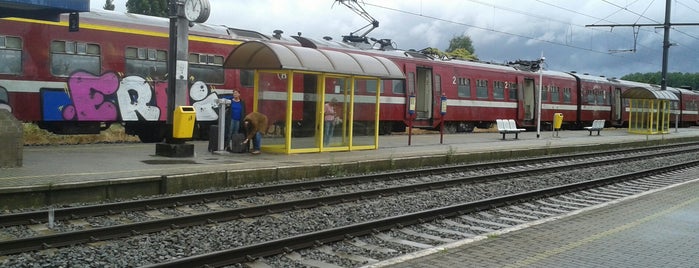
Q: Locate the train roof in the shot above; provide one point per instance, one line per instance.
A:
(159, 24)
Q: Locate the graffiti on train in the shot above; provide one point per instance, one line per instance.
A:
(110, 97)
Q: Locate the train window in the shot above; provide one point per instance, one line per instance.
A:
(371, 86)
(398, 86)
(482, 89)
(555, 95)
(411, 83)
(589, 97)
(247, 78)
(545, 93)
(65, 61)
(146, 62)
(206, 68)
(602, 97)
(438, 84)
(566, 95)
(498, 90)
(463, 88)
(513, 91)
(10, 55)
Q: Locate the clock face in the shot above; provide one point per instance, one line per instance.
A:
(196, 10)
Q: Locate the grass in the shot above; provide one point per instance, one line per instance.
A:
(33, 135)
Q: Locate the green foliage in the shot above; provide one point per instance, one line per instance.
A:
(463, 41)
(109, 5)
(673, 79)
(158, 8)
(462, 53)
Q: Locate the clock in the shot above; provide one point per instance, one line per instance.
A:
(197, 10)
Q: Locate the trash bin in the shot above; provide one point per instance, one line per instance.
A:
(557, 120)
(183, 122)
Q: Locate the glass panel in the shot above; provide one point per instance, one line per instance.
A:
(81, 48)
(513, 91)
(555, 96)
(336, 112)
(371, 86)
(14, 43)
(498, 90)
(464, 87)
(364, 117)
(207, 73)
(58, 46)
(246, 78)
(11, 61)
(131, 53)
(70, 47)
(145, 68)
(482, 89)
(398, 86)
(272, 102)
(306, 111)
(65, 64)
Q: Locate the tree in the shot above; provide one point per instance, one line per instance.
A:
(675, 79)
(157, 8)
(461, 47)
(109, 5)
(463, 41)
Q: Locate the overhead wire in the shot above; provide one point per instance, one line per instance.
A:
(504, 32)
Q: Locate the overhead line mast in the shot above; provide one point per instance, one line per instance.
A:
(666, 37)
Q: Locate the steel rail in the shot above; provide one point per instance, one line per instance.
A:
(36, 217)
(126, 230)
(252, 252)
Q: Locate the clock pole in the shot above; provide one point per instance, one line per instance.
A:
(177, 66)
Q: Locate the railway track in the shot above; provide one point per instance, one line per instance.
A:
(495, 213)
(514, 169)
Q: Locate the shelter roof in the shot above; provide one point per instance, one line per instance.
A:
(648, 93)
(275, 56)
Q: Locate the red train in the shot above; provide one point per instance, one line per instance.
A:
(114, 71)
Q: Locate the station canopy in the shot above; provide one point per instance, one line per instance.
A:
(647, 93)
(275, 56)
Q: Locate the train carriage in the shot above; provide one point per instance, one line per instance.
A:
(114, 71)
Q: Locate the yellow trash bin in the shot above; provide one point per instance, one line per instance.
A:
(183, 122)
(557, 120)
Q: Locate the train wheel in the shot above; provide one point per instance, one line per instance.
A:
(465, 127)
(451, 128)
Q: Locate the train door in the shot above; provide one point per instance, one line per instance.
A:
(423, 94)
(617, 106)
(528, 99)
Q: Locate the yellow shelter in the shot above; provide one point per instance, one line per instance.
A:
(650, 110)
(293, 86)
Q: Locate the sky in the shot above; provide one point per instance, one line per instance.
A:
(501, 30)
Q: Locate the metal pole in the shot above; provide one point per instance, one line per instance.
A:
(222, 122)
(538, 106)
(666, 45)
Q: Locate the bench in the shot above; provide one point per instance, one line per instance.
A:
(508, 126)
(597, 125)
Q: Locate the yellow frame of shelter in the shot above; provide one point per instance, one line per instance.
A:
(649, 110)
(286, 148)
(288, 60)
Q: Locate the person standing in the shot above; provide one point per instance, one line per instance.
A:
(330, 116)
(255, 124)
(236, 114)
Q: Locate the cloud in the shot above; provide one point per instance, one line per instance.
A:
(501, 30)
